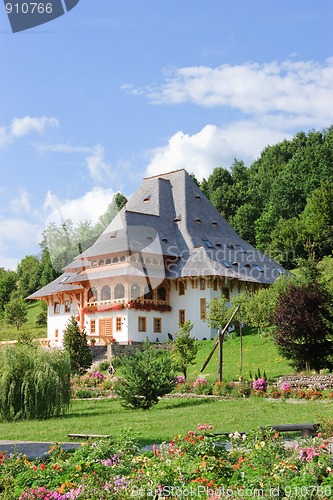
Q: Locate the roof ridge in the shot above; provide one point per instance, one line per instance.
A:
(165, 173)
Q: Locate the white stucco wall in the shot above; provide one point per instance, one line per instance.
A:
(58, 322)
(121, 336)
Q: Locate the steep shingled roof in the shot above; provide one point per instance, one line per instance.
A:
(168, 215)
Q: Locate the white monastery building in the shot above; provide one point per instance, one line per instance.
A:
(160, 262)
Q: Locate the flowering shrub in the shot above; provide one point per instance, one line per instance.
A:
(222, 389)
(196, 462)
(180, 379)
(260, 384)
(285, 386)
(201, 386)
(200, 381)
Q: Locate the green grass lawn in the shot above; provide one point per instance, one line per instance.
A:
(8, 332)
(258, 352)
(169, 417)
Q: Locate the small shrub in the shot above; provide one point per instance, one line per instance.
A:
(147, 376)
(241, 390)
(201, 386)
(85, 394)
(260, 384)
(221, 389)
(103, 366)
(184, 388)
(180, 379)
(285, 386)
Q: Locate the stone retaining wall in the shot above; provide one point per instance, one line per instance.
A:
(119, 350)
(315, 381)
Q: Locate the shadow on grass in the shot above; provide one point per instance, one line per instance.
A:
(184, 402)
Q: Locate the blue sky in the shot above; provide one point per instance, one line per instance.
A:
(111, 92)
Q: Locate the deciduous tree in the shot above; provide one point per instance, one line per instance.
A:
(184, 347)
(304, 327)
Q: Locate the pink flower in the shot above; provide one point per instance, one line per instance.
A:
(260, 384)
(308, 454)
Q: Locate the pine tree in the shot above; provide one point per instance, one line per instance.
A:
(75, 343)
(147, 375)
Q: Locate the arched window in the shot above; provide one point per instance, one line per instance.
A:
(108, 261)
(92, 295)
(149, 294)
(101, 262)
(123, 258)
(161, 293)
(115, 260)
(132, 258)
(106, 293)
(119, 291)
(135, 291)
(147, 261)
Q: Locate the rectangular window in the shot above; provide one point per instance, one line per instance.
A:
(202, 308)
(142, 324)
(202, 284)
(157, 325)
(92, 326)
(215, 285)
(56, 308)
(181, 288)
(105, 327)
(56, 334)
(119, 323)
(226, 293)
(67, 306)
(181, 316)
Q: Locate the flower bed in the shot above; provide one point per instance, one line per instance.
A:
(194, 465)
(257, 388)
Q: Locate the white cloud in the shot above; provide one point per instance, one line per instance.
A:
(212, 147)
(273, 101)
(21, 233)
(21, 203)
(28, 124)
(9, 263)
(300, 88)
(20, 127)
(89, 207)
(62, 148)
(98, 168)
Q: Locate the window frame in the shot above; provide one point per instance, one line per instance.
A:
(157, 321)
(203, 308)
(119, 323)
(142, 328)
(181, 316)
(93, 327)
